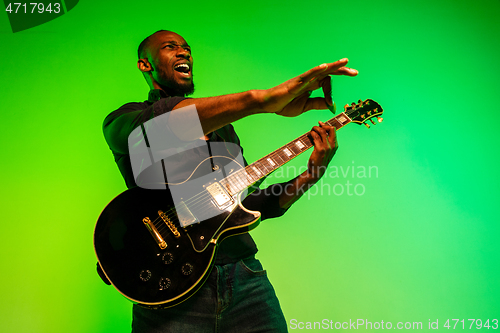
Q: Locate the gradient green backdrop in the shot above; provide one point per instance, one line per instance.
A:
(420, 243)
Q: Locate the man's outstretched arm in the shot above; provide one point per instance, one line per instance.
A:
(289, 99)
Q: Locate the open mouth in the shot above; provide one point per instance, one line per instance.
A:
(183, 69)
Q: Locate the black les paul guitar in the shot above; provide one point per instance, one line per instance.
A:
(158, 253)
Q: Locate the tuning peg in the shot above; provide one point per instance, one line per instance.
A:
(380, 119)
(346, 106)
(372, 121)
(367, 126)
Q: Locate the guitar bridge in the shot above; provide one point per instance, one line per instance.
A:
(220, 195)
(169, 223)
(154, 232)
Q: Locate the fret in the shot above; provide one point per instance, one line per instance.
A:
(234, 188)
(261, 167)
(294, 149)
(277, 158)
(227, 186)
(299, 144)
(230, 186)
(287, 152)
(265, 166)
(249, 177)
(283, 156)
(239, 180)
(257, 171)
(306, 141)
(271, 162)
(341, 118)
(335, 123)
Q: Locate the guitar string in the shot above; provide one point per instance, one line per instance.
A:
(252, 177)
(205, 198)
(236, 180)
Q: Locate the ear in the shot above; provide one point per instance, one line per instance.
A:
(144, 65)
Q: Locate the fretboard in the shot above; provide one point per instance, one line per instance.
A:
(245, 177)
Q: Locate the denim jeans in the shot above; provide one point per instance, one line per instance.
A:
(236, 298)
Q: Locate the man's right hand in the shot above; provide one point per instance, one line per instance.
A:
(291, 98)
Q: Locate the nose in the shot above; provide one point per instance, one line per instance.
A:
(182, 52)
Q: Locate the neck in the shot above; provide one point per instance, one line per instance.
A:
(167, 90)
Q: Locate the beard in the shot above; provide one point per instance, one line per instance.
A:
(174, 88)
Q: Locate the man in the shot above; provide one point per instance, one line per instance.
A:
(237, 296)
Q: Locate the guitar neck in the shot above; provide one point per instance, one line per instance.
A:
(245, 177)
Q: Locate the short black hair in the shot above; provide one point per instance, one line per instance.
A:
(145, 43)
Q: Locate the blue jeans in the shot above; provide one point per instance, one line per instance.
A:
(236, 297)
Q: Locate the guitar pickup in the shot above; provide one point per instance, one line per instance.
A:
(220, 195)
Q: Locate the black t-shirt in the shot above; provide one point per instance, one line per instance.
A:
(120, 123)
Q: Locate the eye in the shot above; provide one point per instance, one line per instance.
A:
(187, 49)
(168, 46)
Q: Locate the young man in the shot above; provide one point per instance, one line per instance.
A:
(237, 296)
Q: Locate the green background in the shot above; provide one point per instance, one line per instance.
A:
(420, 243)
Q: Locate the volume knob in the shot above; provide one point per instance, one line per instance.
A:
(167, 258)
(145, 275)
(187, 269)
(164, 283)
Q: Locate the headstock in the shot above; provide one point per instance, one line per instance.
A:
(363, 111)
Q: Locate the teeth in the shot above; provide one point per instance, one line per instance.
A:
(182, 65)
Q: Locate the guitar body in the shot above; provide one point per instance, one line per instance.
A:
(164, 274)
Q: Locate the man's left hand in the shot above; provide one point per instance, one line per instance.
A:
(325, 145)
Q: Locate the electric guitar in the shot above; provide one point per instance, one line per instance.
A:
(157, 252)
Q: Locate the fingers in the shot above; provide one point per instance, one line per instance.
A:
(326, 85)
(332, 137)
(323, 70)
(325, 145)
(299, 104)
(319, 103)
(324, 136)
(338, 68)
(345, 71)
(315, 103)
(320, 135)
(310, 74)
(336, 65)
(316, 139)
(320, 76)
